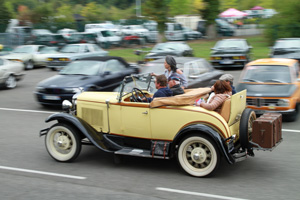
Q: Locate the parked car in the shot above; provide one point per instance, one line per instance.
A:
(231, 53)
(117, 123)
(49, 40)
(66, 32)
(273, 85)
(10, 73)
(73, 52)
(4, 50)
(198, 71)
(25, 54)
(41, 58)
(161, 50)
(90, 73)
(224, 28)
(191, 34)
(107, 38)
(88, 38)
(286, 48)
(136, 30)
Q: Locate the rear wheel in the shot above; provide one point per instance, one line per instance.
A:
(63, 143)
(198, 155)
(246, 124)
(10, 82)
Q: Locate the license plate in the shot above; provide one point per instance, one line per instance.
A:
(226, 62)
(50, 97)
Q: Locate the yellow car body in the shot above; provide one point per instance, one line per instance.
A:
(116, 122)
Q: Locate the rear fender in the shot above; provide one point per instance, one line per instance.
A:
(97, 138)
(204, 129)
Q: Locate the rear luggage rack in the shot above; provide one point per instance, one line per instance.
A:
(257, 147)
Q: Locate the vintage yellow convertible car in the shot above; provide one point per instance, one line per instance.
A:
(119, 123)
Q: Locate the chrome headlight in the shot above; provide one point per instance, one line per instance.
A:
(283, 102)
(67, 105)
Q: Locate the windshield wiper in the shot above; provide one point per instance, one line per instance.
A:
(252, 80)
(275, 80)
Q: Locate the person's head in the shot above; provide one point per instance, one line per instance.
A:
(161, 81)
(221, 87)
(173, 80)
(227, 77)
(170, 63)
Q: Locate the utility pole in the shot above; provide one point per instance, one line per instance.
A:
(138, 8)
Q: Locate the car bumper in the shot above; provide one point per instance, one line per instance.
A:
(229, 63)
(283, 112)
(52, 99)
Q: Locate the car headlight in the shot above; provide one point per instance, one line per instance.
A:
(40, 89)
(73, 90)
(67, 105)
(283, 102)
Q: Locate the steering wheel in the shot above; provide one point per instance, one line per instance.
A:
(136, 97)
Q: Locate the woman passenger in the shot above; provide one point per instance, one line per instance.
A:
(222, 91)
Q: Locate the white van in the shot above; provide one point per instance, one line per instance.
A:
(174, 31)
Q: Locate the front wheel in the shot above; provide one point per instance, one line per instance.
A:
(10, 82)
(198, 155)
(29, 65)
(63, 143)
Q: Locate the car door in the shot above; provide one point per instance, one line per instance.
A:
(113, 74)
(135, 120)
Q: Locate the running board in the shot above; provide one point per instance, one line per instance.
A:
(240, 156)
(138, 152)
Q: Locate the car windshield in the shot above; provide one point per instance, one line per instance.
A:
(86, 67)
(166, 46)
(107, 33)
(140, 81)
(157, 67)
(70, 49)
(287, 44)
(267, 73)
(46, 50)
(234, 44)
(24, 49)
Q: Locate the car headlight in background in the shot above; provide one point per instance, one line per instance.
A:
(215, 58)
(283, 103)
(40, 89)
(74, 90)
(64, 59)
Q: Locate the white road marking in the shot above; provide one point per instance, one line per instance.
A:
(23, 110)
(41, 172)
(289, 130)
(198, 194)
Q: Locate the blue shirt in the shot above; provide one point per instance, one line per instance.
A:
(161, 92)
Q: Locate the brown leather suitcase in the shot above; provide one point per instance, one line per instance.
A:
(278, 124)
(263, 132)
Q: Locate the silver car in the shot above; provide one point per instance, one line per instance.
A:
(10, 73)
(73, 52)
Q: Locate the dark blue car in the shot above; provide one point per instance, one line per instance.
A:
(88, 74)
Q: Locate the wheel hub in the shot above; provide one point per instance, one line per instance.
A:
(63, 142)
(198, 155)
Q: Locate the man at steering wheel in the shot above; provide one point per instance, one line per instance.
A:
(162, 89)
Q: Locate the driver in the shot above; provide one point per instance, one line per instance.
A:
(162, 89)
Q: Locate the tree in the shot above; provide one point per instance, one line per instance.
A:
(5, 16)
(156, 10)
(284, 24)
(210, 13)
(180, 7)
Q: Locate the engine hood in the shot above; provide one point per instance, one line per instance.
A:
(62, 81)
(267, 90)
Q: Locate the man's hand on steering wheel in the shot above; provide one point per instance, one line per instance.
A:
(136, 97)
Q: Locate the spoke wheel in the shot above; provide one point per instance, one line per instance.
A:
(11, 82)
(198, 155)
(63, 143)
(246, 125)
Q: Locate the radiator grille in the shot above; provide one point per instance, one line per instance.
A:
(259, 102)
(92, 116)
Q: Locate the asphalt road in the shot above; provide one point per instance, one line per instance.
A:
(28, 172)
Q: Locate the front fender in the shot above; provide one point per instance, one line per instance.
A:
(204, 129)
(97, 138)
